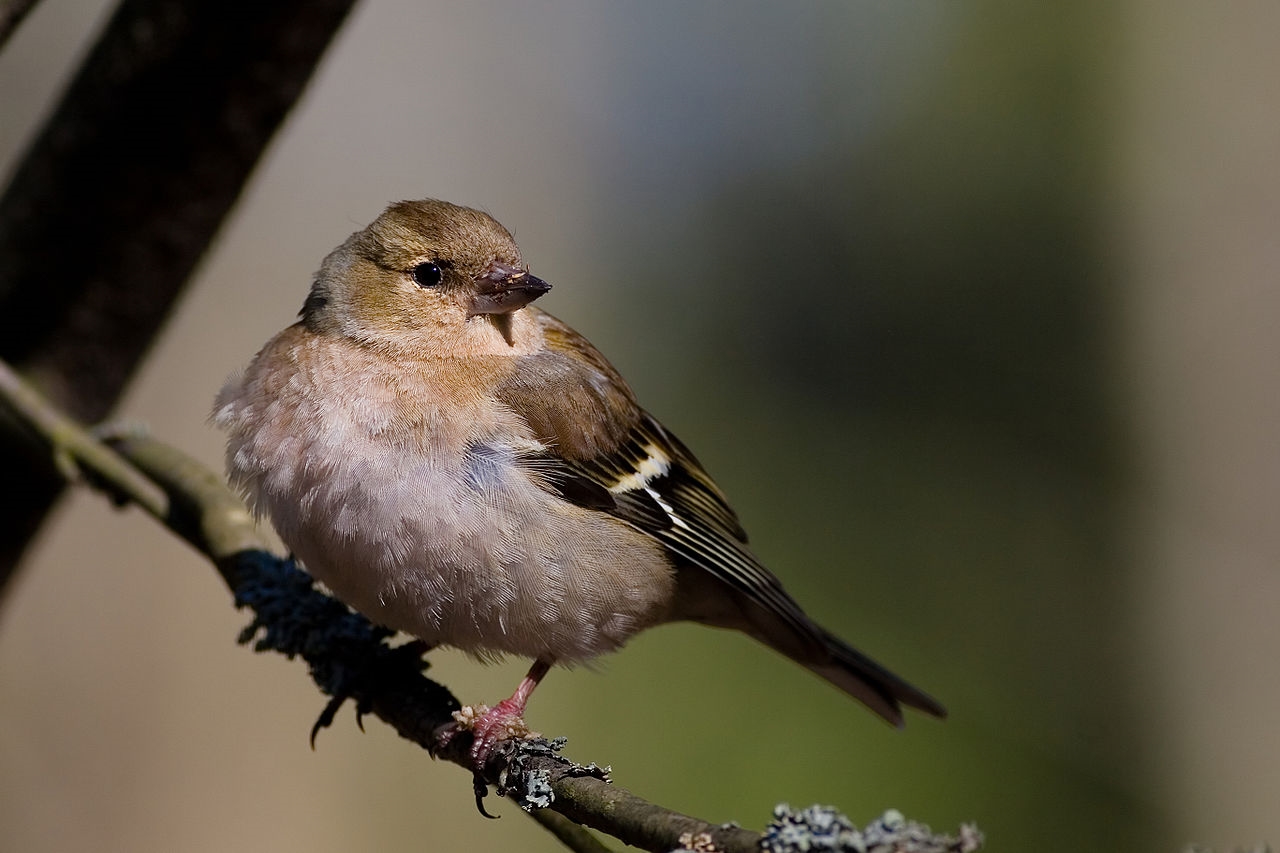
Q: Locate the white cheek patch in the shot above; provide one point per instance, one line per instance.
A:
(655, 464)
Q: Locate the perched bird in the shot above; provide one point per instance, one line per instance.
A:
(459, 465)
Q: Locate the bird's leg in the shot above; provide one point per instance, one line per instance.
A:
(491, 726)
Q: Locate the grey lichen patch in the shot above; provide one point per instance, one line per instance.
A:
(531, 786)
(822, 828)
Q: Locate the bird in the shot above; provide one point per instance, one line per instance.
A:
(455, 463)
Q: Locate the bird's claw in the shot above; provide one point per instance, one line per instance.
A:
(481, 788)
(360, 687)
(327, 716)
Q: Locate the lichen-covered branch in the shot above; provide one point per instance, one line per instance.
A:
(351, 659)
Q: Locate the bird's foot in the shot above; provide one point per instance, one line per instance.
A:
(490, 726)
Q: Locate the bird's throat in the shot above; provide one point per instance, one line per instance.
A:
(502, 322)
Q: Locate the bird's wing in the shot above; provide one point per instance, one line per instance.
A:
(605, 453)
(656, 485)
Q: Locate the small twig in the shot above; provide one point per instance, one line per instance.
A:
(571, 835)
(75, 450)
(202, 509)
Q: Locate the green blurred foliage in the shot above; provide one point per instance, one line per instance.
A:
(903, 375)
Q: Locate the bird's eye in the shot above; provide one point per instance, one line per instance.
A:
(427, 275)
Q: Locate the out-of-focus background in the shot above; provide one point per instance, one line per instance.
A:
(972, 310)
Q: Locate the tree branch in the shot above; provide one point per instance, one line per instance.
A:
(123, 189)
(11, 14)
(350, 658)
(571, 835)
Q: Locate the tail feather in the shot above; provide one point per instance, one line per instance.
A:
(870, 683)
(787, 630)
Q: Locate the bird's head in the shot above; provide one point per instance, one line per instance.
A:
(423, 273)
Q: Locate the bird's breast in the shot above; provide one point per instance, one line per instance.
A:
(418, 507)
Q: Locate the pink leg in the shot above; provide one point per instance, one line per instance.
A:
(531, 680)
(505, 720)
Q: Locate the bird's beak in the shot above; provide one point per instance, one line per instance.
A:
(503, 289)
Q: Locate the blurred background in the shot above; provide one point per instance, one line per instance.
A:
(970, 308)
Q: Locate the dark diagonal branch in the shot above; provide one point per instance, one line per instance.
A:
(11, 14)
(123, 189)
(350, 658)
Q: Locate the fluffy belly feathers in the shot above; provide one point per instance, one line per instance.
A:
(445, 548)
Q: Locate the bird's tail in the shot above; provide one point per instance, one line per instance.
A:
(869, 682)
